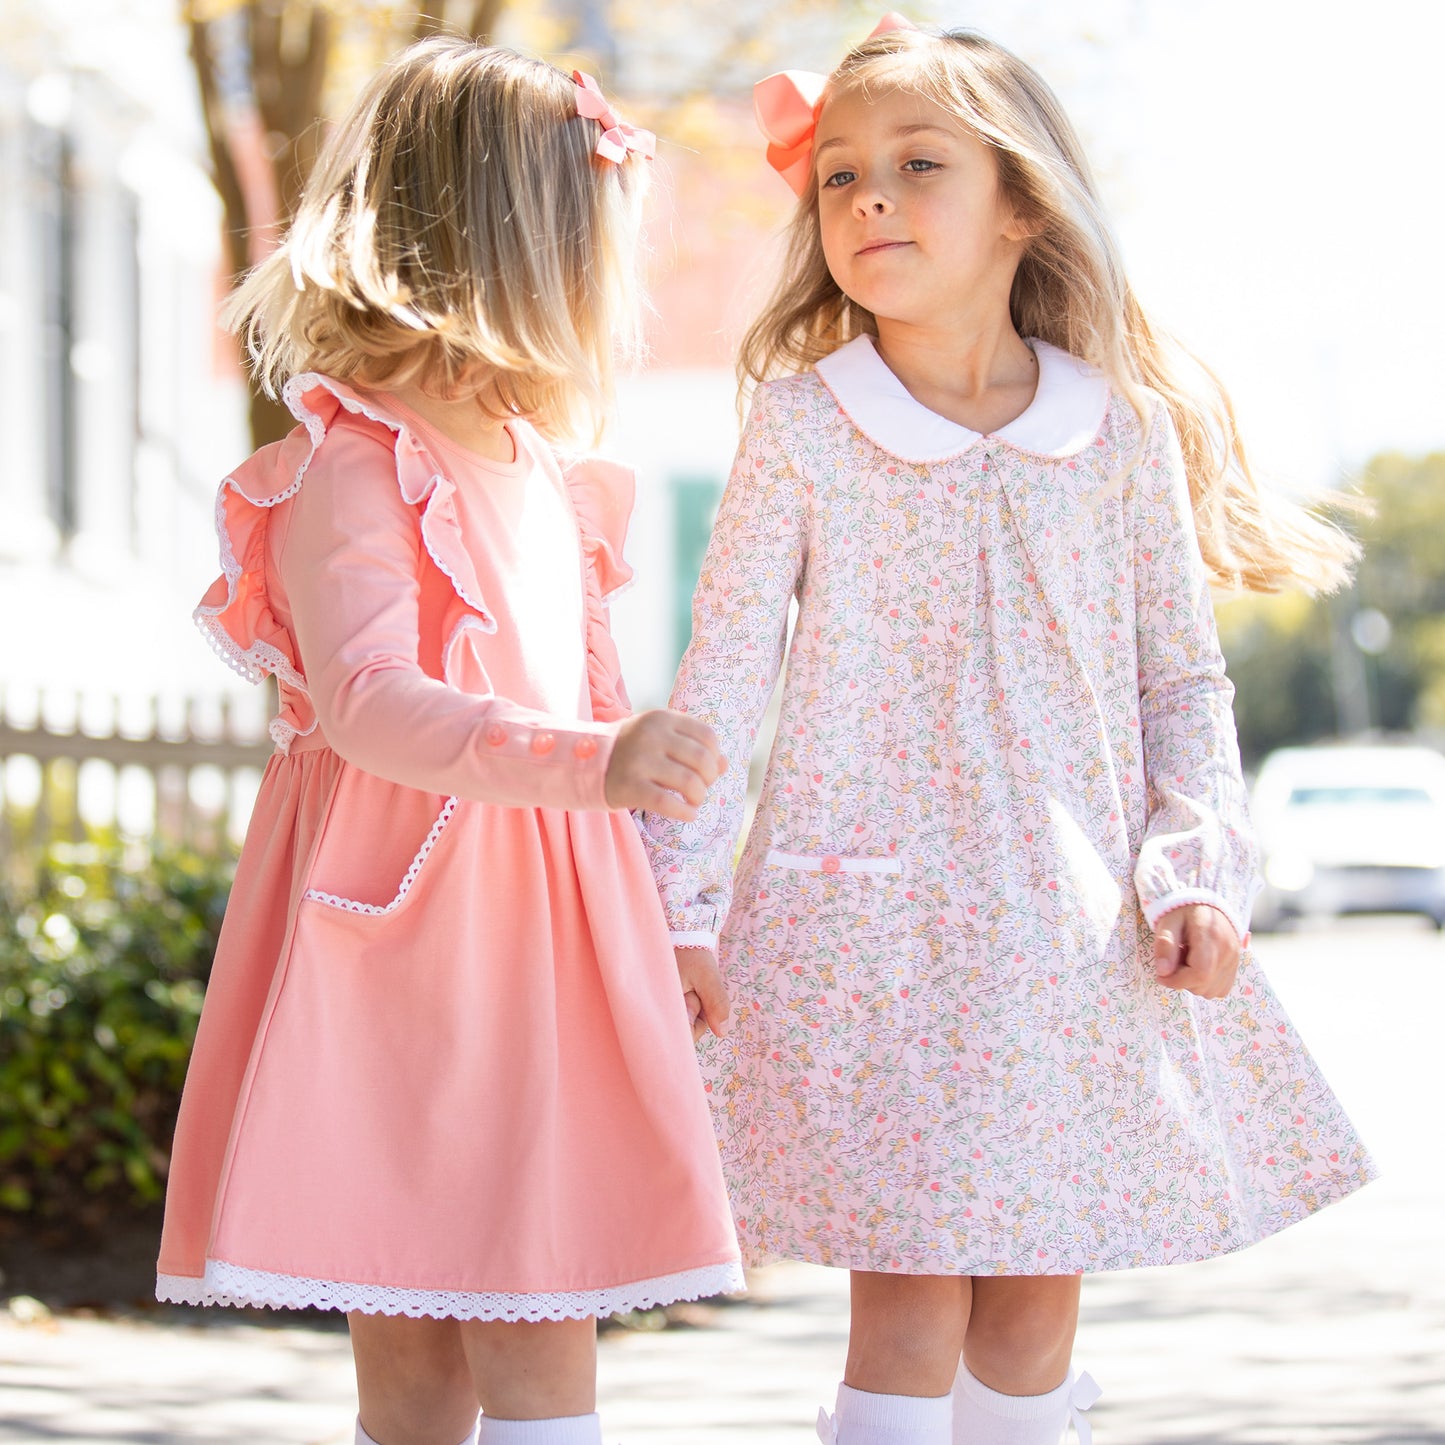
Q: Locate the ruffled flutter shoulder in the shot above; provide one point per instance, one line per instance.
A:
(236, 615)
(602, 494)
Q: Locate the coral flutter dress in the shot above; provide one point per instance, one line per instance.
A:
(444, 1067)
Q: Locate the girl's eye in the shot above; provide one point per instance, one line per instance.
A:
(840, 178)
(919, 166)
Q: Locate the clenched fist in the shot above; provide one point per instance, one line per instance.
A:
(665, 762)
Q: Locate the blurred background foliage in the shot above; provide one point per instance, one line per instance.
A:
(1371, 658)
(103, 965)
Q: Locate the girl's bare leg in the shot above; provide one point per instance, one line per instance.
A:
(1015, 1332)
(906, 1333)
(1020, 1332)
(421, 1382)
(543, 1371)
(412, 1380)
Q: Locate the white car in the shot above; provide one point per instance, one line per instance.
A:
(1350, 829)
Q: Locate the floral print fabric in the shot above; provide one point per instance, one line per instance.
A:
(1005, 748)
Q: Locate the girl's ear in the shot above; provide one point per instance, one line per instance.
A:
(1021, 224)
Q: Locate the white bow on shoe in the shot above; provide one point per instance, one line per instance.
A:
(827, 1427)
(1083, 1395)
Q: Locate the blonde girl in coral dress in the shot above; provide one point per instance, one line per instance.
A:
(444, 1079)
(995, 1021)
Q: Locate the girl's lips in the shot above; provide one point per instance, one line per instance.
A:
(874, 246)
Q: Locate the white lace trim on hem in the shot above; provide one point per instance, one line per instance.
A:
(233, 1284)
(350, 905)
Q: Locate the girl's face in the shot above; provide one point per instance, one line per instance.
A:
(915, 226)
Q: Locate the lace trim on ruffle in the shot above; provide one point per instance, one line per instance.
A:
(293, 395)
(233, 1284)
(260, 658)
(466, 623)
(283, 734)
(487, 622)
(253, 663)
(350, 905)
(619, 590)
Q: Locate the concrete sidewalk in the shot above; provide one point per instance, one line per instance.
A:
(1331, 1334)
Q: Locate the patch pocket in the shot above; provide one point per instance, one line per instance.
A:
(852, 892)
(375, 841)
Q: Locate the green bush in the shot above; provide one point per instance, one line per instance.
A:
(102, 970)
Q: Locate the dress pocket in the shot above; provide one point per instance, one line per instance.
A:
(376, 838)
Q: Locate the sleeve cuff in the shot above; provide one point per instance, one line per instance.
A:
(694, 938)
(594, 752)
(1156, 908)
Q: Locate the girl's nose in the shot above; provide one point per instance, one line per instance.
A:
(871, 203)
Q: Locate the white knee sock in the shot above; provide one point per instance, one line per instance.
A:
(564, 1430)
(984, 1417)
(362, 1438)
(864, 1419)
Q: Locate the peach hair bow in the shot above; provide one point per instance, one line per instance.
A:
(787, 105)
(617, 136)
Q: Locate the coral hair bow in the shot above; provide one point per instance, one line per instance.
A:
(617, 136)
(787, 105)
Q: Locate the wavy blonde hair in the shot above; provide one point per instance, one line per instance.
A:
(1069, 290)
(458, 232)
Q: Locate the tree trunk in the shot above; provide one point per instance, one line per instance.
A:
(288, 74)
(223, 170)
(485, 14)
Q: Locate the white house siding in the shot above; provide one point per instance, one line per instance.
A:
(97, 592)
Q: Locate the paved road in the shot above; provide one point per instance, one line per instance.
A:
(1331, 1334)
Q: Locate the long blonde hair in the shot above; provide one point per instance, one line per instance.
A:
(1069, 290)
(458, 229)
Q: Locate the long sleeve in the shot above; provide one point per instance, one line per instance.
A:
(349, 565)
(1198, 846)
(750, 573)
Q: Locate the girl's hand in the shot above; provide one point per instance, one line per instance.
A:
(663, 761)
(703, 991)
(1196, 949)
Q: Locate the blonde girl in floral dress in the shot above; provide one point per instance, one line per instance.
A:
(444, 1080)
(994, 1021)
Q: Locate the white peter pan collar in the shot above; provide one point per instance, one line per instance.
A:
(1064, 417)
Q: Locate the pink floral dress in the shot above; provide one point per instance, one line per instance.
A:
(1005, 750)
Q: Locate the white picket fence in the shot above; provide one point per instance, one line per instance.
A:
(175, 770)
